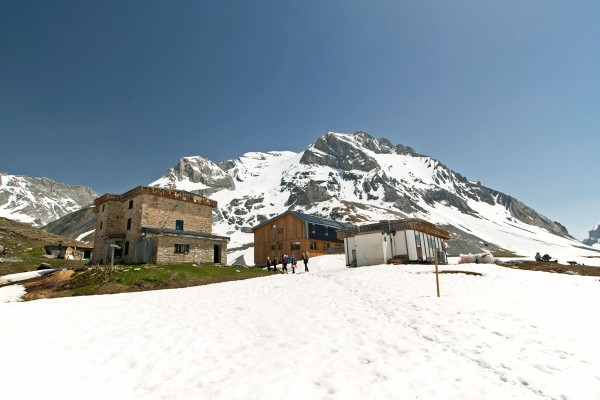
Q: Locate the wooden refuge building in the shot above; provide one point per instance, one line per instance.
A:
(399, 242)
(154, 225)
(293, 233)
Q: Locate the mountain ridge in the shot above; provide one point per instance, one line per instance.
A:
(360, 178)
(39, 201)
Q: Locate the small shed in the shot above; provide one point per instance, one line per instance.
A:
(399, 241)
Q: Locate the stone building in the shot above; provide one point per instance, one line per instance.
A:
(154, 225)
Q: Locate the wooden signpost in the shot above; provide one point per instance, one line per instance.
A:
(437, 279)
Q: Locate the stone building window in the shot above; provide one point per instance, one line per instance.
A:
(126, 250)
(101, 222)
(179, 225)
(182, 248)
(128, 223)
(103, 206)
(130, 204)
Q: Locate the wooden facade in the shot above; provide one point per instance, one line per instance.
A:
(293, 233)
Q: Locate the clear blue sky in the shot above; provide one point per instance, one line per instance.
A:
(110, 94)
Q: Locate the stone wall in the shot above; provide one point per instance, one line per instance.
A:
(163, 212)
(201, 250)
(109, 221)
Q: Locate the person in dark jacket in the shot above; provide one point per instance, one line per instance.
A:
(284, 264)
(275, 264)
(305, 259)
(268, 263)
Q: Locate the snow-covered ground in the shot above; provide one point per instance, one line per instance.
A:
(334, 333)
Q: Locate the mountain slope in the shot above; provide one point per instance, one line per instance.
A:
(39, 201)
(358, 178)
(79, 225)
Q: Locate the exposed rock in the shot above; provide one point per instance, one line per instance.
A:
(332, 151)
(75, 224)
(308, 195)
(40, 200)
(197, 170)
(594, 236)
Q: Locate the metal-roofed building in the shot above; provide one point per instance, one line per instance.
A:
(293, 233)
(398, 241)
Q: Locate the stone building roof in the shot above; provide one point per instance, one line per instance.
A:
(174, 194)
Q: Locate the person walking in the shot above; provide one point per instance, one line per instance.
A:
(294, 264)
(305, 259)
(275, 264)
(268, 263)
(284, 264)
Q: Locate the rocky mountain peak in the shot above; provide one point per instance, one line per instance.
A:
(594, 236)
(350, 151)
(341, 151)
(196, 174)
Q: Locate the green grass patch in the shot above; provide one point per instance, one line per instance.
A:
(130, 278)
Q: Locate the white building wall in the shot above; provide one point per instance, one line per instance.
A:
(370, 249)
(387, 247)
(412, 245)
(426, 247)
(350, 245)
(400, 244)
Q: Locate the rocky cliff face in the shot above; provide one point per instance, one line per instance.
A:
(40, 200)
(594, 236)
(196, 174)
(359, 178)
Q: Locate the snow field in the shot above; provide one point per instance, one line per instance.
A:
(334, 333)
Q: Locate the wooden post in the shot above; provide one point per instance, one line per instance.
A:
(437, 279)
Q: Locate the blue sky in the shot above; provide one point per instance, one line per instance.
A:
(111, 94)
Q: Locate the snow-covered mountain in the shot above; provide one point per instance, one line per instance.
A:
(594, 239)
(358, 178)
(39, 201)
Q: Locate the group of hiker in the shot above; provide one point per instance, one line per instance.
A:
(285, 260)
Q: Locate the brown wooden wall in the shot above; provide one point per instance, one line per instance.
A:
(293, 231)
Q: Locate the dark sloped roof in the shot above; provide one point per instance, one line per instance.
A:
(313, 219)
(308, 218)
